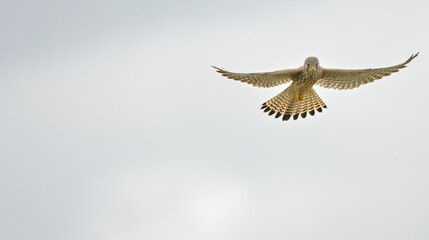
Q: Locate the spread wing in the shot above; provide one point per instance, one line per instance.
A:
(265, 79)
(350, 78)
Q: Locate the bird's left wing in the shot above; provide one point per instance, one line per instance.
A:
(351, 78)
(264, 79)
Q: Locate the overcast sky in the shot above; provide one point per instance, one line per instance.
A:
(114, 126)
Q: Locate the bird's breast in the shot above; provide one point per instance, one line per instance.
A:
(308, 79)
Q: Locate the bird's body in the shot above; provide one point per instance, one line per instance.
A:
(300, 98)
(305, 80)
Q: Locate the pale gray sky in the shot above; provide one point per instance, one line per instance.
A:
(114, 126)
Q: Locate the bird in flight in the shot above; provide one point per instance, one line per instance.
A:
(300, 98)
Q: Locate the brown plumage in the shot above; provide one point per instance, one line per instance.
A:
(300, 98)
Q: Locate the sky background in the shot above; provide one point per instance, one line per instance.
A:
(114, 126)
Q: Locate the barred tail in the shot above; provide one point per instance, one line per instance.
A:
(286, 105)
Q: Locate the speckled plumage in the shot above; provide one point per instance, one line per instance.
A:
(300, 98)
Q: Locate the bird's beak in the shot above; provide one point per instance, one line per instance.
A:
(313, 67)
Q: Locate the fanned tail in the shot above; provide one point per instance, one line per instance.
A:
(284, 104)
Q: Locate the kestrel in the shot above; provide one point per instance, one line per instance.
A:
(300, 97)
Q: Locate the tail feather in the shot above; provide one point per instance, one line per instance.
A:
(286, 105)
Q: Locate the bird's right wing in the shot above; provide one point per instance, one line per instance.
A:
(265, 79)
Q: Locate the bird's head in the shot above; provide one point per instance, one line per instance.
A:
(311, 64)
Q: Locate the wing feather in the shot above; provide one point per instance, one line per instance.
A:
(353, 78)
(264, 79)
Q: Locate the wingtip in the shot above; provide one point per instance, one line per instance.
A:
(411, 58)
